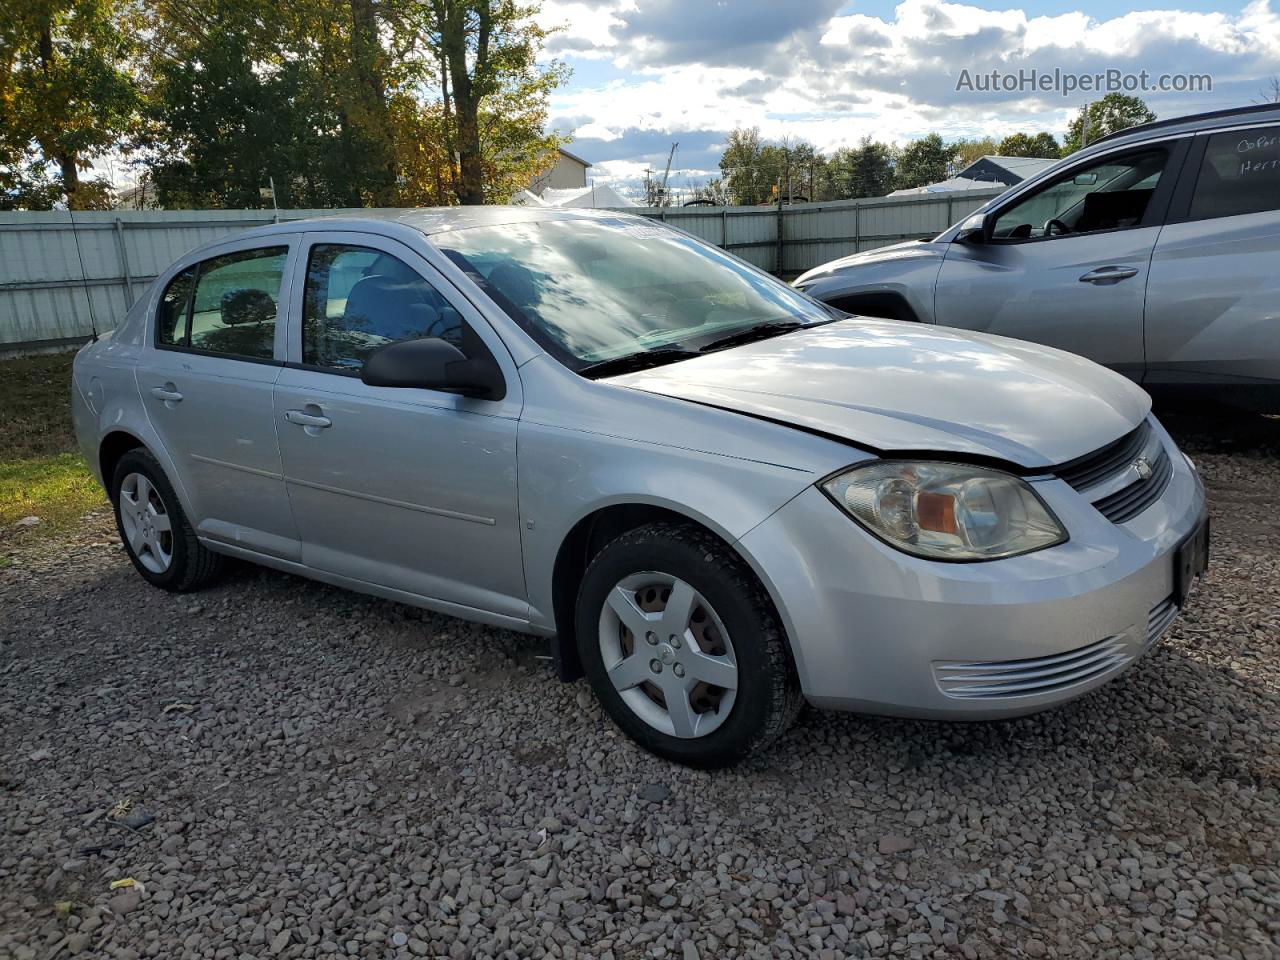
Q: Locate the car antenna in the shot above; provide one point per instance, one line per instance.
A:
(84, 279)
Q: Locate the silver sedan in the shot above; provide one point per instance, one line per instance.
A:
(715, 496)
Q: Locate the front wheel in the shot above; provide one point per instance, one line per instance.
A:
(683, 646)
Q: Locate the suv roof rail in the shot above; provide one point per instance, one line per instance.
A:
(1190, 117)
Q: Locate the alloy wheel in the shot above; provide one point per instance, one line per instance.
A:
(668, 655)
(145, 521)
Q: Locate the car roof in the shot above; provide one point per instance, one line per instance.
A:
(434, 220)
(1193, 123)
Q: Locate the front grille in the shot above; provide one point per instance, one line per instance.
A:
(1126, 504)
(1000, 679)
(1109, 465)
(1161, 617)
(1093, 468)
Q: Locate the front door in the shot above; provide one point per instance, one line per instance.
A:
(207, 388)
(1067, 266)
(408, 489)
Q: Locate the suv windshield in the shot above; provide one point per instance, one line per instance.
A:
(591, 291)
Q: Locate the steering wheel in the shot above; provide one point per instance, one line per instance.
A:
(1055, 228)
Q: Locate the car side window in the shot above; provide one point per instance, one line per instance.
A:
(1112, 194)
(172, 314)
(357, 299)
(1240, 174)
(235, 304)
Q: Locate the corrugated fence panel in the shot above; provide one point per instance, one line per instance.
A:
(45, 297)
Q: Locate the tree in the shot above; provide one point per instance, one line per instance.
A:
(1114, 112)
(967, 151)
(740, 167)
(1041, 145)
(1271, 92)
(923, 161)
(346, 102)
(67, 96)
(488, 51)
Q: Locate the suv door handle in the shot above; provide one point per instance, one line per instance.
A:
(167, 393)
(1109, 274)
(303, 419)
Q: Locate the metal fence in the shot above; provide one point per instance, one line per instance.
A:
(55, 282)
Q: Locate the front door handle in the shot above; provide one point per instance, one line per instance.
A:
(168, 393)
(1109, 274)
(304, 419)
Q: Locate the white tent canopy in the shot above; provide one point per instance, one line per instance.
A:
(599, 195)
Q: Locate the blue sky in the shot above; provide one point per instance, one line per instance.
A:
(650, 72)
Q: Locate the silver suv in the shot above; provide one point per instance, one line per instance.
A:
(1152, 251)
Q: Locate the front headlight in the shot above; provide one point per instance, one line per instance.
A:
(946, 511)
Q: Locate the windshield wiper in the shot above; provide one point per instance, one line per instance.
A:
(642, 360)
(762, 331)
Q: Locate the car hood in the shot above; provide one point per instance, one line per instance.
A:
(908, 250)
(896, 387)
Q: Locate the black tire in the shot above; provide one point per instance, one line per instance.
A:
(768, 695)
(193, 565)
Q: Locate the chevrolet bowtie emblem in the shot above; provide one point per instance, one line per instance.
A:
(1143, 467)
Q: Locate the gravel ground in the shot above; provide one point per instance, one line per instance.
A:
(289, 770)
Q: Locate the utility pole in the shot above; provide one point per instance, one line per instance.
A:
(1084, 126)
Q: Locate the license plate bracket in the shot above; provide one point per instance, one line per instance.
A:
(1190, 560)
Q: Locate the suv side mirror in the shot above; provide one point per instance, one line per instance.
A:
(973, 230)
(434, 364)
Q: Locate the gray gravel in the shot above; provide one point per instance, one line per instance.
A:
(289, 770)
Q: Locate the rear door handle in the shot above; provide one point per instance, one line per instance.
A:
(1109, 274)
(167, 393)
(304, 419)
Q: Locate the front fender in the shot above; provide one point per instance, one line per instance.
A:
(910, 275)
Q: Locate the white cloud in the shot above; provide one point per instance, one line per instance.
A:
(834, 79)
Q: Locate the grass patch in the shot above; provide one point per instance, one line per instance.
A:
(41, 471)
(35, 397)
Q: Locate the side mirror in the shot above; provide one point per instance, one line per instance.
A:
(973, 230)
(434, 364)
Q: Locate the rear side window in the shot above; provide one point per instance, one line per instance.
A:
(1240, 174)
(172, 315)
(235, 304)
(358, 299)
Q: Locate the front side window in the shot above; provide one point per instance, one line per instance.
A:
(235, 305)
(358, 299)
(590, 291)
(1112, 194)
(1240, 174)
(172, 315)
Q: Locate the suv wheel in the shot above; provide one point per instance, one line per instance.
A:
(159, 539)
(683, 647)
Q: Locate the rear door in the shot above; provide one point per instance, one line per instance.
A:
(207, 389)
(410, 489)
(1067, 265)
(1213, 301)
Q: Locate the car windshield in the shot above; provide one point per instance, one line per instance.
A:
(591, 291)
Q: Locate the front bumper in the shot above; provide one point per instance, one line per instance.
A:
(877, 631)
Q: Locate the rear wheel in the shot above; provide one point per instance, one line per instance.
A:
(157, 536)
(683, 647)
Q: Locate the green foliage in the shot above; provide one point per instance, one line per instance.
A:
(67, 94)
(923, 161)
(340, 102)
(1114, 112)
(967, 151)
(1042, 145)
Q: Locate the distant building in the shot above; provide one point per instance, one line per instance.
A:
(988, 171)
(569, 171)
(1006, 170)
